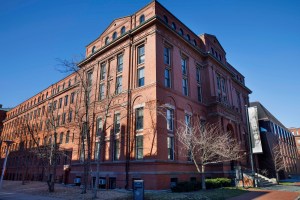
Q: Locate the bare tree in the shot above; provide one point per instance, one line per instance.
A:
(206, 144)
(278, 159)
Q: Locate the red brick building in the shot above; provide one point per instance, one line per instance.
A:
(147, 59)
(296, 133)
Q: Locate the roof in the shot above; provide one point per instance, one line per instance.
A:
(264, 114)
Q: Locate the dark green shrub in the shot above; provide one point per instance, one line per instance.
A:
(217, 183)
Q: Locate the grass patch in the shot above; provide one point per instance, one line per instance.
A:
(286, 183)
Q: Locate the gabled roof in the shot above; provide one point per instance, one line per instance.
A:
(215, 38)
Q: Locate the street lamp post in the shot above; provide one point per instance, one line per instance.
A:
(8, 143)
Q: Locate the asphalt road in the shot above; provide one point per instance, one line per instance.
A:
(21, 196)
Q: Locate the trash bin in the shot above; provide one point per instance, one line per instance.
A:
(138, 190)
(77, 181)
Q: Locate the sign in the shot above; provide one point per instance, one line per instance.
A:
(254, 130)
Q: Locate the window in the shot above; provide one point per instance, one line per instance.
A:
(194, 42)
(114, 35)
(198, 75)
(183, 66)
(185, 87)
(99, 127)
(187, 120)
(61, 136)
(70, 115)
(170, 144)
(199, 93)
(141, 77)
(117, 123)
(102, 71)
(141, 54)
(120, 63)
(173, 26)
(119, 85)
(188, 37)
(123, 30)
(60, 103)
(167, 78)
(54, 105)
(116, 149)
(170, 119)
(181, 32)
(165, 19)
(89, 79)
(167, 56)
(101, 91)
(72, 97)
(97, 150)
(142, 19)
(221, 89)
(66, 100)
(94, 49)
(107, 40)
(139, 147)
(67, 137)
(69, 83)
(139, 118)
(63, 120)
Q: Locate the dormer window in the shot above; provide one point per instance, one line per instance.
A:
(181, 32)
(188, 37)
(194, 42)
(165, 19)
(142, 19)
(173, 26)
(114, 36)
(123, 30)
(107, 40)
(94, 49)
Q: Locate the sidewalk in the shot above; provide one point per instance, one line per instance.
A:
(267, 195)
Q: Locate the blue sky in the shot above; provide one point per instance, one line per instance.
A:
(261, 38)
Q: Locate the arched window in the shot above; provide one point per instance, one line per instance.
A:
(188, 37)
(173, 26)
(180, 31)
(165, 19)
(114, 35)
(94, 49)
(123, 30)
(142, 19)
(194, 42)
(107, 40)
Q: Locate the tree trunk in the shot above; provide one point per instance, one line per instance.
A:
(277, 178)
(203, 177)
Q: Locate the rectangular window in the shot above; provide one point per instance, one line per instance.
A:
(60, 103)
(167, 56)
(139, 147)
(67, 137)
(183, 66)
(141, 54)
(170, 119)
(116, 149)
(63, 120)
(119, 85)
(57, 122)
(120, 63)
(139, 118)
(101, 91)
(187, 119)
(185, 87)
(199, 92)
(54, 105)
(117, 123)
(102, 71)
(99, 127)
(72, 97)
(88, 96)
(170, 144)
(167, 78)
(70, 115)
(89, 79)
(61, 136)
(141, 77)
(66, 100)
(198, 75)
